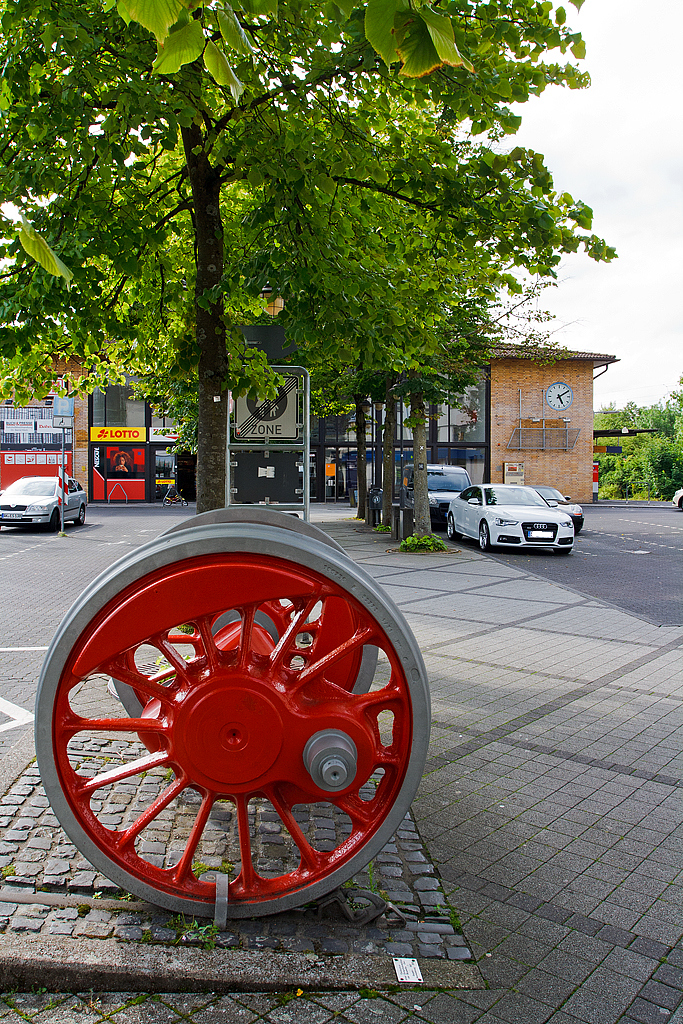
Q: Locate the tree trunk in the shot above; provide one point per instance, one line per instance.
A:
(361, 457)
(388, 459)
(423, 522)
(210, 326)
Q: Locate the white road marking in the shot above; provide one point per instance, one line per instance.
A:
(18, 715)
(10, 650)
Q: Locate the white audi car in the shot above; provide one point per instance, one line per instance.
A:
(511, 516)
(677, 499)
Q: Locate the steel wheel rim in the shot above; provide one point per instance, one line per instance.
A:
(413, 705)
(483, 536)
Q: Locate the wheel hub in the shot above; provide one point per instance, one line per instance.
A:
(230, 735)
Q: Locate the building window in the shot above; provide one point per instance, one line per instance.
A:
(116, 407)
(466, 420)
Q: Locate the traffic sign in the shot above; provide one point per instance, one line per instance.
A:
(269, 419)
(62, 421)
(62, 407)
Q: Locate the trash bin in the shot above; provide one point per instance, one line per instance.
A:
(374, 510)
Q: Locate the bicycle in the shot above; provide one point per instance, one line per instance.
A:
(173, 497)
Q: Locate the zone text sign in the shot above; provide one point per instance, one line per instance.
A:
(269, 419)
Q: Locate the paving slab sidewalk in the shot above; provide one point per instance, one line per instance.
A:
(551, 806)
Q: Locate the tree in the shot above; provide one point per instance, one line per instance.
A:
(651, 465)
(175, 178)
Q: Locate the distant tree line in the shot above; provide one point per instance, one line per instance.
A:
(651, 465)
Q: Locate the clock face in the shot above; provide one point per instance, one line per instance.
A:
(559, 396)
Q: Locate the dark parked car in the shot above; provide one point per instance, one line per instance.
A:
(35, 500)
(443, 483)
(563, 501)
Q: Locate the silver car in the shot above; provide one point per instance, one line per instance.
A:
(36, 500)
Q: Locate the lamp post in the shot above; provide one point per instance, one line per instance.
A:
(377, 472)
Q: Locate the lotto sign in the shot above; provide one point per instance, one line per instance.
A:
(269, 419)
(118, 434)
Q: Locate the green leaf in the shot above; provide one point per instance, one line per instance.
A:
(49, 35)
(416, 48)
(122, 8)
(379, 27)
(36, 246)
(347, 7)
(218, 67)
(257, 7)
(233, 33)
(155, 15)
(182, 47)
(440, 29)
(579, 49)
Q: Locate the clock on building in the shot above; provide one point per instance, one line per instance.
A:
(559, 396)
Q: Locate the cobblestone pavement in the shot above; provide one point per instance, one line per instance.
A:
(551, 808)
(239, 1008)
(36, 856)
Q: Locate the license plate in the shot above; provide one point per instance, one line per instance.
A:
(540, 533)
(12, 515)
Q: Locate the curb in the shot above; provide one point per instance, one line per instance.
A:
(16, 760)
(108, 966)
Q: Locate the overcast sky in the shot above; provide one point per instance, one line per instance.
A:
(619, 146)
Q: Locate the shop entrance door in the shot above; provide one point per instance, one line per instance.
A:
(340, 474)
(164, 473)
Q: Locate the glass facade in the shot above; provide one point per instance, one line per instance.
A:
(457, 435)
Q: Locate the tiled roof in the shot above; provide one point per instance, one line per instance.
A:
(522, 352)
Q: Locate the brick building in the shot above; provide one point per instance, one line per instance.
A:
(541, 418)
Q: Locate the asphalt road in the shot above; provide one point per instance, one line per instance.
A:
(630, 557)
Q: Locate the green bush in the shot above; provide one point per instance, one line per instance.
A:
(420, 545)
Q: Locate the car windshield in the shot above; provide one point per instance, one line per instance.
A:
(513, 496)
(550, 492)
(34, 487)
(447, 482)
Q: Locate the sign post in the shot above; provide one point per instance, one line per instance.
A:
(269, 447)
(63, 416)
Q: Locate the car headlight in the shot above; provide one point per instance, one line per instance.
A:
(506, 522)
(567, 522)
(34, 509)
(433, 500)
(575, 510)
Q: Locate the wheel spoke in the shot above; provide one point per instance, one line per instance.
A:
(310, 858)
(246, 636)
(152, 686)
(247, 874)
(74, 724)
(361, 638)
(125, 771)
(173, 656)
(184, 866)
(210, 649)
(285, 642)
(358, 810)
(150, 813)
